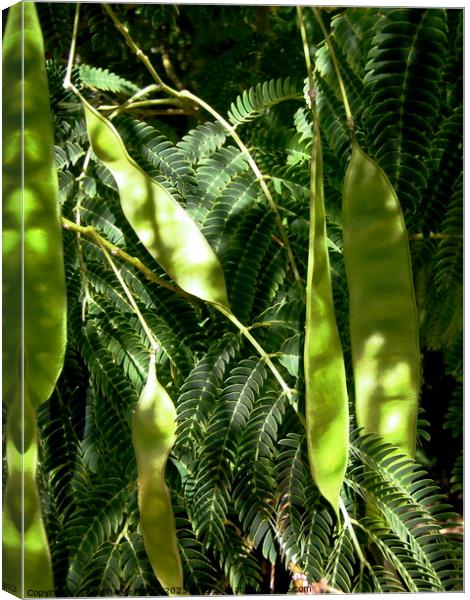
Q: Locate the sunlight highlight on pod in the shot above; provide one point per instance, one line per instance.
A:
(383, 314)
(38, 242)
(390, 423)
(327, 414)
(162, 225)
(396, 375)
(153, 437)
(33, 261)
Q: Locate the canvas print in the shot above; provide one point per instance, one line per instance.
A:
(232, 299)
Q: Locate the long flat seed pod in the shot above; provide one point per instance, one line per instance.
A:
(325, 377)
(32, 232)
(162, 225)
(383, 315)
(383, 320)
(153, 436)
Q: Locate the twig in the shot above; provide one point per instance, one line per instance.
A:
(348, 524)
(259, 176)
(90, 231)
(135, 262)
(272, 578)
(170, 70)
(68, 72)
(110, 248)
(80, 179)
(133, 46)
(78, 211)
(187, 95)
(148, 332)
(143, 103)
(167, 111)
(347, 108)
(303, 33)
(143, 92)
(246, 333)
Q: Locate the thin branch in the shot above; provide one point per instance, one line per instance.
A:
(259, 176)
(349, 525)
(303, 33)
(91, 233)
(167, 111)
(272, 578)
(109, 248)
(143, 92)
(347, 108)
(80, 179)
(133, 46)
(78, 211)
(170, 70)
(246, 333)
(68, 72)
(185, 94)
(148, 332)
(266, 324)
(119, 108)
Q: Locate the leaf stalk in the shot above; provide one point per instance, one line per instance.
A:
(347, 108)
(132, 260)
(148, 332)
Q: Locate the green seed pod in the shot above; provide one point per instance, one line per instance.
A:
(24, 514)
(32, 233)
(162, 225)
(383, 314)
(325, 377)
(153, 436)
(37, 213)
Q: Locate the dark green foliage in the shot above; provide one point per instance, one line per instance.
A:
(254, 101)
(56, 24)
(403, 80)
(102, 79)
(241, 487)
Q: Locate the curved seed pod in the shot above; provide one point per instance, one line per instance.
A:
(32, 231)
(383, 314)
(44, 282)
(162, 225)
(153, 436)
(325, 377)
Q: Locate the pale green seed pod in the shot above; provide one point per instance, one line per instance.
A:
(162, 225)
(327, 417)
(383, 313)
(32, 232)
(153, 436)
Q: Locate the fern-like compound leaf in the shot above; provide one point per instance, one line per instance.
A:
(262, 97)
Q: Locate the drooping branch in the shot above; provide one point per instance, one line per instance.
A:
(187, 95)
(92, 234)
